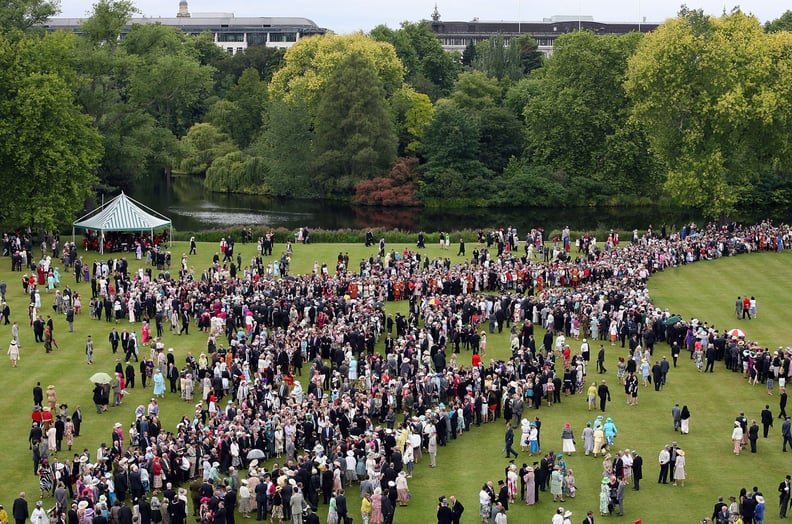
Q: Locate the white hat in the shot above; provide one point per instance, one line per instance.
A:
(567, 514)
(117, 425)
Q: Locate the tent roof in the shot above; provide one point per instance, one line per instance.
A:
(122, 214)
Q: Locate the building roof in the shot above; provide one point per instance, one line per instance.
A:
(122, 214)
(198, 22)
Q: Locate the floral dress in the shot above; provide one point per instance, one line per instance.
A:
(376, 509)
(68, 433)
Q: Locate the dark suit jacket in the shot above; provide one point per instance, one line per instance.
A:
(20, 509)
(503, 497)
(341, 505)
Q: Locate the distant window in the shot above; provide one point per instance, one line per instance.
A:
(230, 37)
(283, 37)
(230, 50)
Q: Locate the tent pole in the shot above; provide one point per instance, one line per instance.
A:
(72, 234)
(101, 241)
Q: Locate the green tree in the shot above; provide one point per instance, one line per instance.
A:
(453, 173)
(502, 136)
(241, 113)
(311, 62)
(470, 54)
(48, 148)
(155, 40)
(713, 96)
(180, 101)
(413, 111)
(107, 21)
(782, 23)
(24, 14)
(576, 105)
(498, 60)
(237, 173)
(203, 144)
(355, 139)
(428, 68)
(475, 90)
(285, 147)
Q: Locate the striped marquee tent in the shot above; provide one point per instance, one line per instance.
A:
(122, 214)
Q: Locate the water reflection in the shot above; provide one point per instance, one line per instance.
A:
(193, 209)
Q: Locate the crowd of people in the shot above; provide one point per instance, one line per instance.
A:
(365, 418)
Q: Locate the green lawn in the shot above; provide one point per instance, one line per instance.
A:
(706, 290)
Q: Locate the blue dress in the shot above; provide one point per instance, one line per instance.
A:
(159, 384)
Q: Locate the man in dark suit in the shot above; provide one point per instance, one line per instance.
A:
(456, 509)
(114, 338)
(38, 395)
(767, 419)
(230, 503)
(783, 494)
(589, 518)
(341, 507)
(637, 470)
(503, 495)
(20, 509)
(604, 394)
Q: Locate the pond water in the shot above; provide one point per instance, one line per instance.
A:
(191, 208)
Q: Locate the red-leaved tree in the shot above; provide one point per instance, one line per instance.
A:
(398, 189)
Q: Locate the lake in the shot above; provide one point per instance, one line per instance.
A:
(191, 208)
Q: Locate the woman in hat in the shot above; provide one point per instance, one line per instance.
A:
(604, 498)
(737, 436)
(45, 478)
(244, 499)
(530, 484)
(402, 489)
(376, 507)
(13, 353)
(556, 484)
(159, 384)
(568, 438)
(277, 506)
(680, 473)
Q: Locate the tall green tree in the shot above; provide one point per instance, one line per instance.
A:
(107, 21)
(782, 23)
(453, 173)
(355, 139)
(48, 147)
(475, 90)
(713, 96)
(21, 15)
(576, 106)
(285, 147)
(203, 144)
(428, 68)
(241, 113)
(311, 62)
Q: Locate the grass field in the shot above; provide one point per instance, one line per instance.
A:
(706, 290)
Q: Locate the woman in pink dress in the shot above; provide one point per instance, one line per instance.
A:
(530, 486)
(376, 507)
(146, 332)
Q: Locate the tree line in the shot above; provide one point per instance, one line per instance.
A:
(695, 113)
